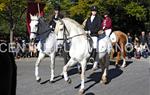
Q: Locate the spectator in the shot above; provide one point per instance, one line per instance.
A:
(136, 42)
(143, 44)
(148, 42)
(137, 51)
(129, 54)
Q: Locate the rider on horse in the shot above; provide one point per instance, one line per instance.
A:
(107, 24)
(57, 16)
(92, 26)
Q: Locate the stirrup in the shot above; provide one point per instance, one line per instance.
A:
(91, 59)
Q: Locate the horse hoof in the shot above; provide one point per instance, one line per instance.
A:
(104, 82)
(123, 66)
(69, 81)
(62, 76)
(38, 80)
(91, 60)
(94, 69)
(79, 71)
(52, 81)
(81, 91)
(117, 66)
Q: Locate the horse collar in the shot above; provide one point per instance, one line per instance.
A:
(34, 19)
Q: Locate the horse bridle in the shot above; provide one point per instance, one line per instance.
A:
(37, 30)
(65, 32)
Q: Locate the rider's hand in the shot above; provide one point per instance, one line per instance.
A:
(103, 28)
(100, 32)
(88, 32)
(51, 26)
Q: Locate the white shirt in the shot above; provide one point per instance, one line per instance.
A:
(92, 18)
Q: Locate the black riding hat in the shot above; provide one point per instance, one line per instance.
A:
(57, 7)
(94, 8)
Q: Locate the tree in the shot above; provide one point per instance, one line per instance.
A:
(10, 12)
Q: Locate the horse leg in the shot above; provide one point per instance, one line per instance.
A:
(71, 62)
(118, 59)
(83, 67)
(52, 66)
(79, 68)
(104, 67)
(124, 55)
(40, 57)
(95, 66)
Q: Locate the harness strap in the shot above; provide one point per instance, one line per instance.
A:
(66, 30)
(110, 33)
(71, 37)
(48, 30)
(34, 33)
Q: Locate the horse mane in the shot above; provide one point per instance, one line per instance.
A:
(74, 22)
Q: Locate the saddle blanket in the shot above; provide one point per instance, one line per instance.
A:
(113, 37)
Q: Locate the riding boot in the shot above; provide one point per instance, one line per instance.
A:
(93, 55)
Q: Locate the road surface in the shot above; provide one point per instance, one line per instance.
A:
(132, 80)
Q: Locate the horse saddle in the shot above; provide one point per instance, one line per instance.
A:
(67, 45)
(90, 43)
(102, 47)
(113, 38)
(101, 36)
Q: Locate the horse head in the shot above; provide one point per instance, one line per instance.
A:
(59, 28)
(33, 26)
(38, 27)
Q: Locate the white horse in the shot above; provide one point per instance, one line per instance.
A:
(79, 49)
(46, 45)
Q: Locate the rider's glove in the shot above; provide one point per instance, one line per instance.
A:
(88, 32)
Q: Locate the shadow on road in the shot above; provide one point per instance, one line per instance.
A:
(128, 62)
(96, 76)
(90, 93)
(114, 73)
(44, 82)
(72, 71)
(120, 62)
(57, 78)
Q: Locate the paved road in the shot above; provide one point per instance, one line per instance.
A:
(132, 80)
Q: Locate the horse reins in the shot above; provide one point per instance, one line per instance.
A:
(67, 32)
(41, 33)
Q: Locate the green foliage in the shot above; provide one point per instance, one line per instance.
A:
(2, 6)
(114, 2)
(10, 13)
(136, 10)
(80, 9)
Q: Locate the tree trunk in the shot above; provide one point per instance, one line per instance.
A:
(11, 35)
